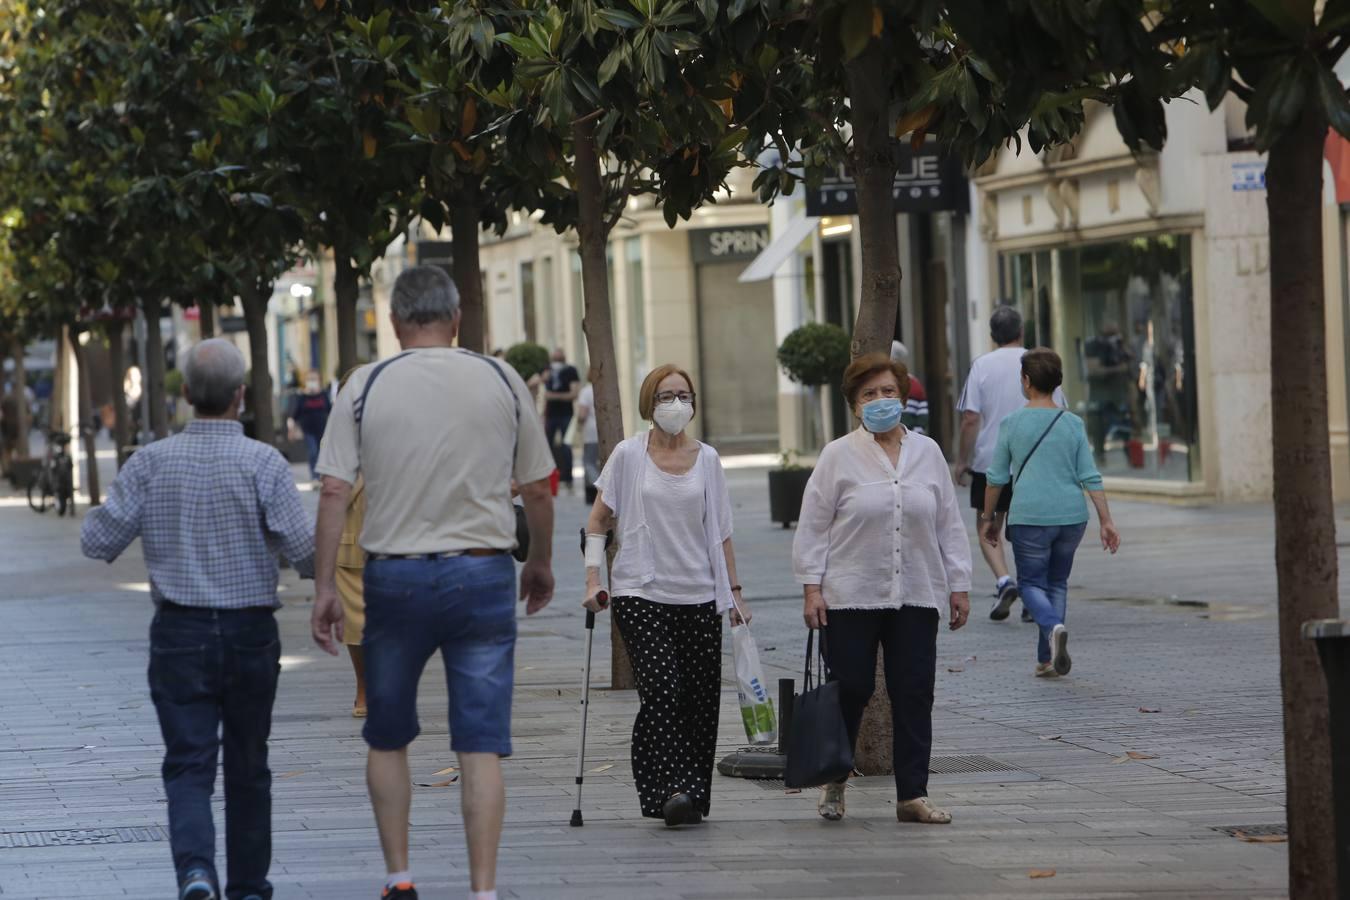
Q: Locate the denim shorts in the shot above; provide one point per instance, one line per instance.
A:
(463, 606)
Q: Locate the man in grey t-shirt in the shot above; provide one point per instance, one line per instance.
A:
(439, 434)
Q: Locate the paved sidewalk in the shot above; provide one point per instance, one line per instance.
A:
(80, 751)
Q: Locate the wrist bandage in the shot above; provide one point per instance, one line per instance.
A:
(595, 551)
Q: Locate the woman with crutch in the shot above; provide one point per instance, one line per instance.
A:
(675, 574)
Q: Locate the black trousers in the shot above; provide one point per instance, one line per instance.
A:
(909, 638)
(677, 661)
(555, 429)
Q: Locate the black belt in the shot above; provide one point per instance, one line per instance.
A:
(476, 551)
(178, 609)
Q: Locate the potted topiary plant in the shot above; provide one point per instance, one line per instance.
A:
(813, 355)
(527, 359)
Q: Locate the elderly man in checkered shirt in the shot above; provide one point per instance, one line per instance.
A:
(212, 509)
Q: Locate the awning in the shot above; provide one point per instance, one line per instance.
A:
(772, 257)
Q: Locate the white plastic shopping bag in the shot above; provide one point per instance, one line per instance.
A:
(761, 726)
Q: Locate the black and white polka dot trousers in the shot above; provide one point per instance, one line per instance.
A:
(677, 660)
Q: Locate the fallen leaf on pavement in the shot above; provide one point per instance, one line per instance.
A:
(971, 658)
(1041, 873)
(446, 783)
(445, 771)
(604, 768)
(1148, 709)
(793, 791)
(1134, 754)
(955, 669)
(1262, 838)
(292, 774)
(1052, 737)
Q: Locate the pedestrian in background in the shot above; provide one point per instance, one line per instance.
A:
(590, 438)
(438, 433)
(211, 507)
(1045, 452)
(882, 555)
(351, 563)
(993, 391)
(309, 414)
(562, 383)
(673, 577)
(915, 417)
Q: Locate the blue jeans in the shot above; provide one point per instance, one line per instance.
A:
(464, 606)
(312, 441)
(1044, 556)
(208, 669)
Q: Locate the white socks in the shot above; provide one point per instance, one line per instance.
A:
(396, 878)
(483, 895)
(1002, 582)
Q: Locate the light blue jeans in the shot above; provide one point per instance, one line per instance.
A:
(1044, 555)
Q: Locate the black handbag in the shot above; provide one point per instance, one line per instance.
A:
(819, 751)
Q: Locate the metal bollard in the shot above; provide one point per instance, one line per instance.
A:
(1333, 647)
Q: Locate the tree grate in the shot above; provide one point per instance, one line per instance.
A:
(1280, 829)
(83, 837)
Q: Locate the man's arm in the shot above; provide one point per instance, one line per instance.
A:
(970, 429)
(536, 578)
(109, 529)
(326, 620)
(284, 516)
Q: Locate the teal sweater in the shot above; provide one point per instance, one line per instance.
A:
(1050, 491)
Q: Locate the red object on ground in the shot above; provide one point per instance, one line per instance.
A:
(554, 478)
(1135, 450)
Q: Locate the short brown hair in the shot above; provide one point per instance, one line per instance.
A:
(1044, 369)
(862, 369)
(647, 395)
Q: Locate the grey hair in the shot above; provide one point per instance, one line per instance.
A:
(214, 372)
(423, 295)
(899, 353)
(1005, 325)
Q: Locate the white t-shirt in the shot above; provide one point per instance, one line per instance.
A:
(684, 572)
(435, 446)
(590, 433)
(994, 390)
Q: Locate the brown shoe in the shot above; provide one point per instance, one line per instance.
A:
(1046, 670)
(831, 805)
(921, 809)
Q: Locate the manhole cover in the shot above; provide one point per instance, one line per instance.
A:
(82, 837)
(1279, 830)
(966, 765)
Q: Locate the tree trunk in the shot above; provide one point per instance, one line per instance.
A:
(154, 371)
(260, 375)
(464, 225)
(118, 363)
(23, 451)
(346, 288)
(874, 172)
(598, 326)
(1305, 524)
(206, 319)
(86, 414)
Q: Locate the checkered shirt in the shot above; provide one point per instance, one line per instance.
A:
(212, 509)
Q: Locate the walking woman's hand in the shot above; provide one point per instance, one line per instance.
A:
(1110, 537)
(740, 612)
(960, 601)
(989, 530)
(596, 599)
(814, 611)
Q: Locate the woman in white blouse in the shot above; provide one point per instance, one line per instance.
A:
(882, 555)
(673, 577)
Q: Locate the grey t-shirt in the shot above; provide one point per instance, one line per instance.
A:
(435, 446)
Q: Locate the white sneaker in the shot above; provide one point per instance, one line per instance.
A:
(1059, 649)
(831, 805)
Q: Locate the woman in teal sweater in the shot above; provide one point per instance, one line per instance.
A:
(1045, 452)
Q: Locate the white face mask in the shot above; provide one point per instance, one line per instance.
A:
(673, 416)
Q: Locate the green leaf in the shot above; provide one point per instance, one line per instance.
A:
(1334, 101)
(855, 28)
(610, 67)
(527, 48)
(621, 19)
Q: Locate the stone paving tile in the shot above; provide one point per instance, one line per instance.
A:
(79, 746)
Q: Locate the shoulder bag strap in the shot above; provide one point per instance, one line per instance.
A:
(1037, 446)
(810, 646)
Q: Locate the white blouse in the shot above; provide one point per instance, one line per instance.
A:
(877, 536)
(625, 484)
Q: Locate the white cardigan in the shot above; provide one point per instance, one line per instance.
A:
(877, 536)
(620, 485)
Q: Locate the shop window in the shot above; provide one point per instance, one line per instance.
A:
(637, 309)
(1121, 315)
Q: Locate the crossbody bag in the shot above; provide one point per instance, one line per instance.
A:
(1036, 446)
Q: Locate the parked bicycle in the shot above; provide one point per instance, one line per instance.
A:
(54, 483)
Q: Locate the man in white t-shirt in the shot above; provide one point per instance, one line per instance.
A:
(590, 438)
(439, 434)
(993, 391)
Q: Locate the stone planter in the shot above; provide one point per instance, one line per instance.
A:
(786, 487)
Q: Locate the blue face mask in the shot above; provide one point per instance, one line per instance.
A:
(883, 414)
